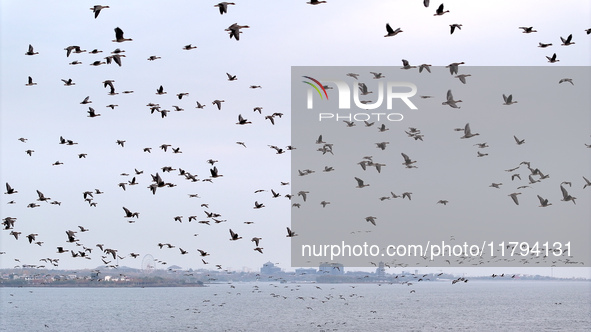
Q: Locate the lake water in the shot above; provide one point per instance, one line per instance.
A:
(433, 306)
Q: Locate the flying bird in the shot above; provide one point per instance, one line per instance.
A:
(508, 100)
(97, 10)
(552, 59)
(119, 36)
(450, 100)
(214, 172)
(528, 29)
(160, 91)
(462, 77)
(371, 219)
(234, 236)
(567, 41)
(129, 214)
(406, 65)
(440, 11)
(453, 28)
(232, 78)
(315, 2)
(566, 197)
(223, 7)
(30, 82)
(543, 202)
(68, 82)
(426, 67)
(407, 161)
(10, 190)
(514, 197)
(518, 141)
(360, 183)
(92, 113)
(31, 51)
(234, 30)
(468, 133)
(391, 32)
(218, 103)
(290, 233)
(242, 121)
(453, 67)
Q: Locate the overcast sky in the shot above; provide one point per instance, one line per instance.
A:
(344, 33)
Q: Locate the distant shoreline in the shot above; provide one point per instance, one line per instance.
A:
(115, 285)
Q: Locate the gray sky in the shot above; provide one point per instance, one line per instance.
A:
(293, 33)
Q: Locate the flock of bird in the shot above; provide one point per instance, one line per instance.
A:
(158, 183)
(75, 245)
(521, 187)
(324, 151)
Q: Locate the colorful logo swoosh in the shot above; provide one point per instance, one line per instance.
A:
(316, 88)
